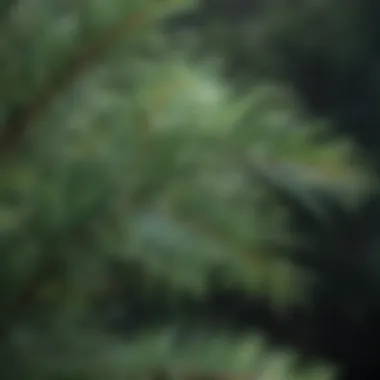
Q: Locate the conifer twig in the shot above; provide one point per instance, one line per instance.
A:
(17, 126)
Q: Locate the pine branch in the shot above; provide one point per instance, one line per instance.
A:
(16, 127)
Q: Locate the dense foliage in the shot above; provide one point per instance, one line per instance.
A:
(161, 216)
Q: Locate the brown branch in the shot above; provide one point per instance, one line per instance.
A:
(16, 128)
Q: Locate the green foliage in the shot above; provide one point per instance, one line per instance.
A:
(116, 149)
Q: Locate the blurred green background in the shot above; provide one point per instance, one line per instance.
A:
(189, 189)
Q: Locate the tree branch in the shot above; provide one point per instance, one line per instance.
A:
(18, 124)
